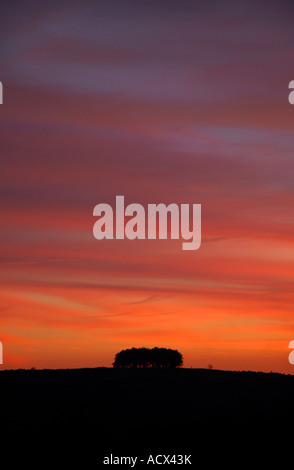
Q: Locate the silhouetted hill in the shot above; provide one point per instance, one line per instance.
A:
(78, 416)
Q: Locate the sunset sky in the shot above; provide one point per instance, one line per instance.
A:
(172, 102)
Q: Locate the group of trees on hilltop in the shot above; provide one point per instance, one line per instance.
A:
(145, 357)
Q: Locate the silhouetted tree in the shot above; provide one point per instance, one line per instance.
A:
(145, 357)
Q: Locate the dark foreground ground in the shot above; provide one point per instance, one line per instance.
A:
(73, 418)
